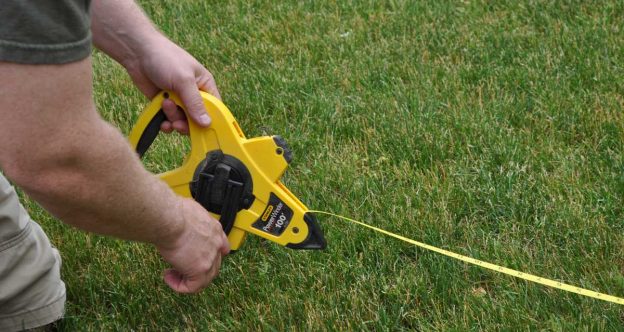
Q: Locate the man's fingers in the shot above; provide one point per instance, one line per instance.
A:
(186, 285)
(194, 104)
(171, 111)
(176, 118)
(181, 126)
(195, 283)
(174, 280)
(166, 127)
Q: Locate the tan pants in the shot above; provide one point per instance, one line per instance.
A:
(32, 293)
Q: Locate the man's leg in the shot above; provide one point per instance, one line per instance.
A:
(32, 293)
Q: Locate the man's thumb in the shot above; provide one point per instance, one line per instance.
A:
(177, 282)
(194, 104)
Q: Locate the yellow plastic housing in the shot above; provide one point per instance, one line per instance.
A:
(261, 155)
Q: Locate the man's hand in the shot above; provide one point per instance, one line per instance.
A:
(196, 254)
(166, 66)
(154, 63)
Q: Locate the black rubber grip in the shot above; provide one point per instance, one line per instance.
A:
(150, 133)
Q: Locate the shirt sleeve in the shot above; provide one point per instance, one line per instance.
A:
(44, 31)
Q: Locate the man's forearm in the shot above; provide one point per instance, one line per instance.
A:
(121, 29)
(78, 167)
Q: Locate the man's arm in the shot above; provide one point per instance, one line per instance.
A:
(54, 145)
(121, 30)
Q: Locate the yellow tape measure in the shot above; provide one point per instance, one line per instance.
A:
(493, 267)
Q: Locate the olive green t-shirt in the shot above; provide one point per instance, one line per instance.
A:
(44, 31)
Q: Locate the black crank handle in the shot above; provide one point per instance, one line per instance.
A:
(150, 133)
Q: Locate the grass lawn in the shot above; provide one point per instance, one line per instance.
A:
(494, 129)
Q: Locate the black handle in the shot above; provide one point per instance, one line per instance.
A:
(151, 131)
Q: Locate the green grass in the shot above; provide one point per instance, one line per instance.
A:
(492, 129)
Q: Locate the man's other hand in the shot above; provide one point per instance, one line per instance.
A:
(196, 253)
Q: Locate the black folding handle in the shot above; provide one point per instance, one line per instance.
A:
(151, 131)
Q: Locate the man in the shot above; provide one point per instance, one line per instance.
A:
(55, 146)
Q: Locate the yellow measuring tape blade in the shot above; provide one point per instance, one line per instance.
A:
(493, 267)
